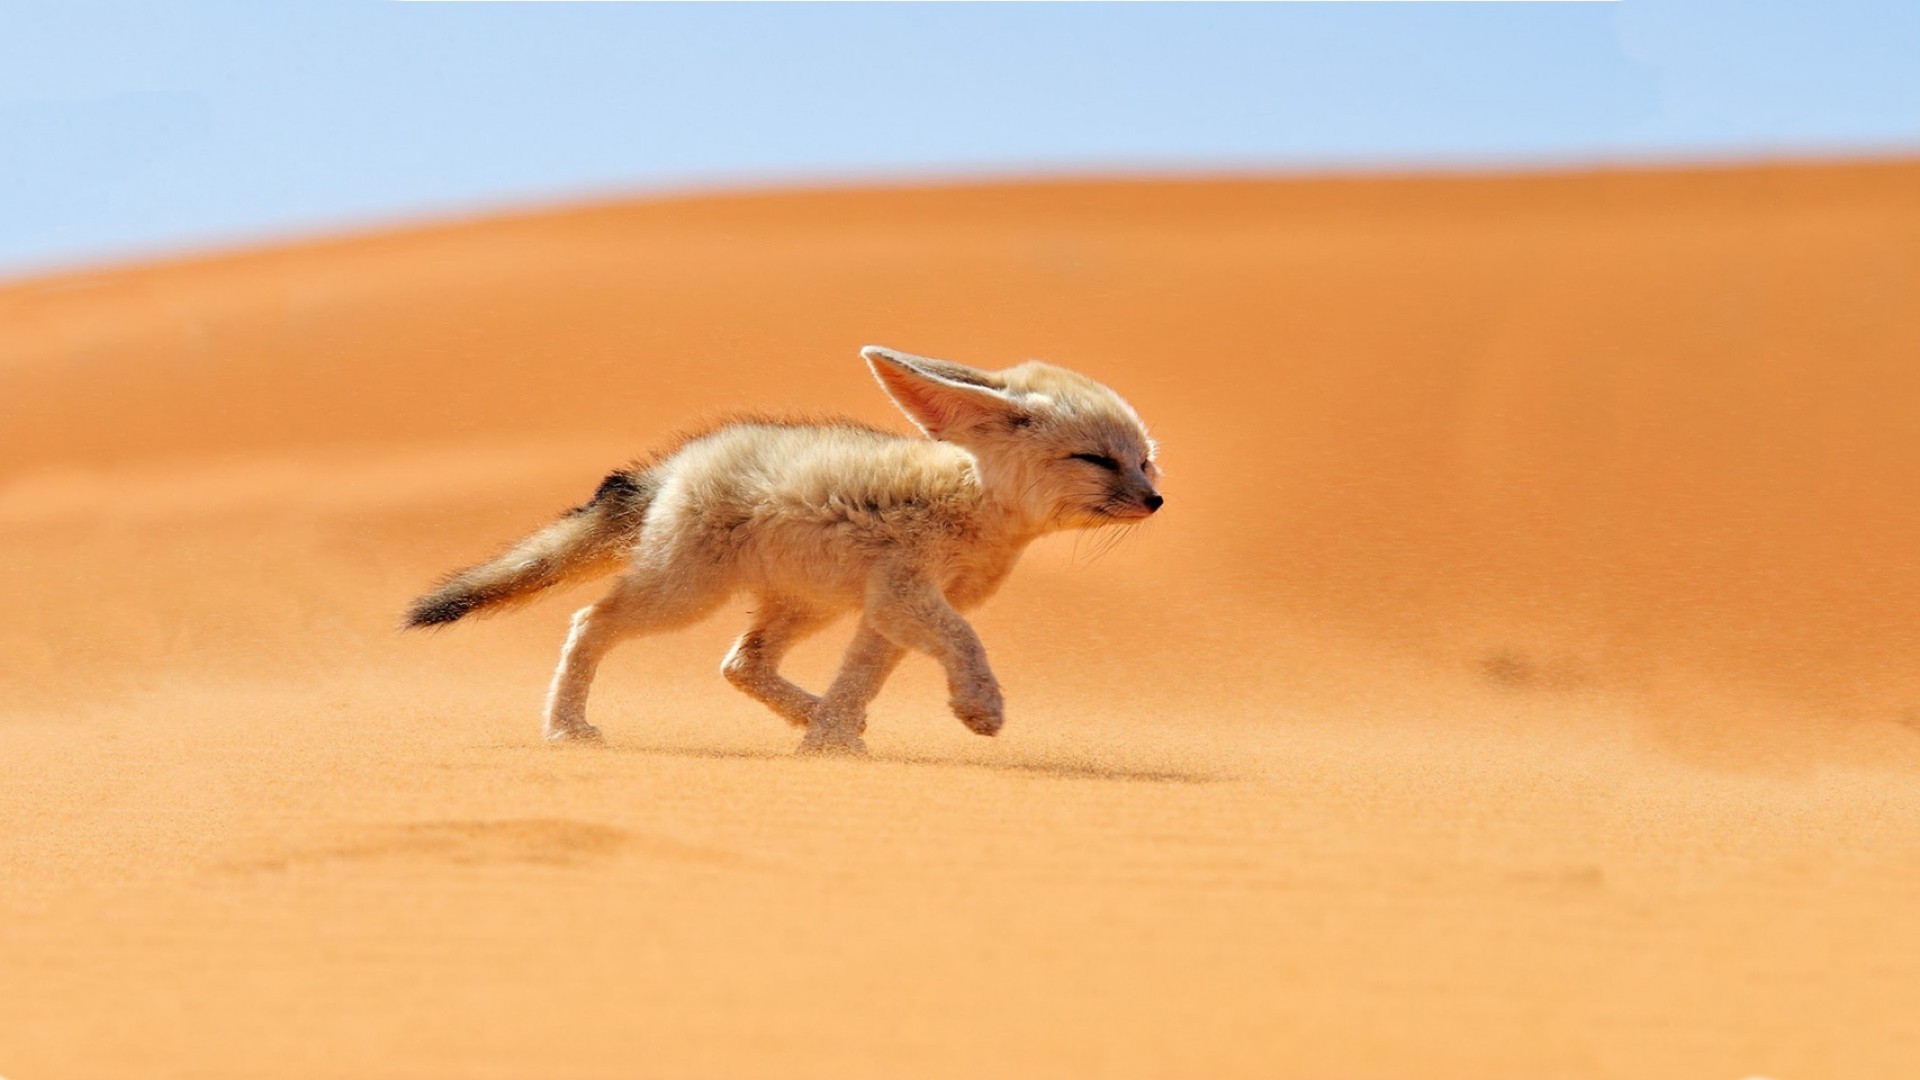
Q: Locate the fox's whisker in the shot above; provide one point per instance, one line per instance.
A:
(1110, 540)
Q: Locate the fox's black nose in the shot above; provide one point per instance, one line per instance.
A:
(1154, 502)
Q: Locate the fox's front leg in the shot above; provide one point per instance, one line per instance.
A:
(841, 715)
(911, 612)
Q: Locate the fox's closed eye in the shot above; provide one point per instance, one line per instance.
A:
(1101, 460)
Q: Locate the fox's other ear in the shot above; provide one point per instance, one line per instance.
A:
(939, 396)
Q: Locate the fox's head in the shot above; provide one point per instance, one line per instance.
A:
(1061, 449)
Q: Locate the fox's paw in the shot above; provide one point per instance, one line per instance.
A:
(819, 743)
(983, 713)
(579, 733)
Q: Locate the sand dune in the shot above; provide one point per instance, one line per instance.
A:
(1520, 682)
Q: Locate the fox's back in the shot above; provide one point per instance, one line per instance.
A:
(782, 497)
(823, 467)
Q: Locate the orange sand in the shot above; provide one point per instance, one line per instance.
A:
(1523, 680)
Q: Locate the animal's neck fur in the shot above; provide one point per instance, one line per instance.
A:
(1007, 517)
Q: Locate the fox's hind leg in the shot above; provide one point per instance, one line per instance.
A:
(753, 664)
(645, 600)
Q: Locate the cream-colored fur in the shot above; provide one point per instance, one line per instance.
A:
(816, 520)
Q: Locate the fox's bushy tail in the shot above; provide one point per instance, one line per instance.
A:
(588, 540)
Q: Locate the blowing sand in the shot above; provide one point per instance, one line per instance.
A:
(1521, 681)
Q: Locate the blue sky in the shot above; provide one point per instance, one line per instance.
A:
(142, 128)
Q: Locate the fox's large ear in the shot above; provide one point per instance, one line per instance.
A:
(939, 396)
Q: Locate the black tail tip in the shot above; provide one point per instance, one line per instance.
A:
(438, 610)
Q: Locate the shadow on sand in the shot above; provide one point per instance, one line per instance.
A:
(1060, 768)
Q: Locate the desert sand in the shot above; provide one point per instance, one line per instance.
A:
(1523, 679)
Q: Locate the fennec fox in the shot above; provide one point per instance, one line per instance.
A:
(818, 519)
